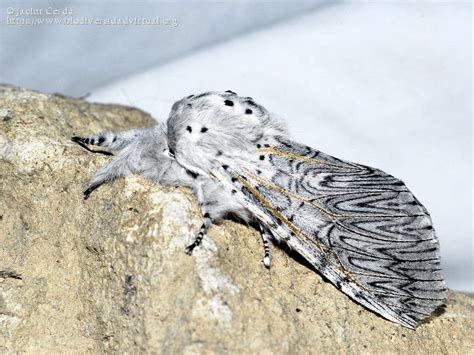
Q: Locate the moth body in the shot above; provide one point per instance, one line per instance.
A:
(358, 226)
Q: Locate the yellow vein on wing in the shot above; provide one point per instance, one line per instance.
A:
(277, 213)
(272, 186)
(276, 151)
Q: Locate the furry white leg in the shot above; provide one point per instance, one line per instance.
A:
(114, 140)
(83, 141)
(106, 174)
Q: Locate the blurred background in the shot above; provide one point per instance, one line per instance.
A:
(386, 84)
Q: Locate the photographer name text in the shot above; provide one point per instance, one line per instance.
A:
(37, 11)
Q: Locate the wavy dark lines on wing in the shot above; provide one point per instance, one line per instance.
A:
(389, 228)
(350, 182)
(370, 203)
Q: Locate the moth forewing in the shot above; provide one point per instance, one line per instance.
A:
(360, 227)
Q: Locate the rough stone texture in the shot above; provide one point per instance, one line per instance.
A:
(110, 274)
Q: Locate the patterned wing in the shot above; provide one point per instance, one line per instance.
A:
(360, 227)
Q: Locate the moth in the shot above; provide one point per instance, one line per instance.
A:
(358, 226)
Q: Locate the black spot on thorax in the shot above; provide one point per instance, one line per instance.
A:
(192, 174)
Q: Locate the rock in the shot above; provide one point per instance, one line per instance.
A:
(110, 274)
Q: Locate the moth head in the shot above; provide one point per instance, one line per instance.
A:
(224, 116)
(214, 122)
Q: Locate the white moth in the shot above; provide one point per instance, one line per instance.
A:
(358, 226)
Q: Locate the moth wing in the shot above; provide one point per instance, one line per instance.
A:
(360, 227)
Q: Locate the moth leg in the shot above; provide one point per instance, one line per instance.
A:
(82, 142)
(267, 244)
(202, 232)
(199, 190)
(117, 168)
(114, 140)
